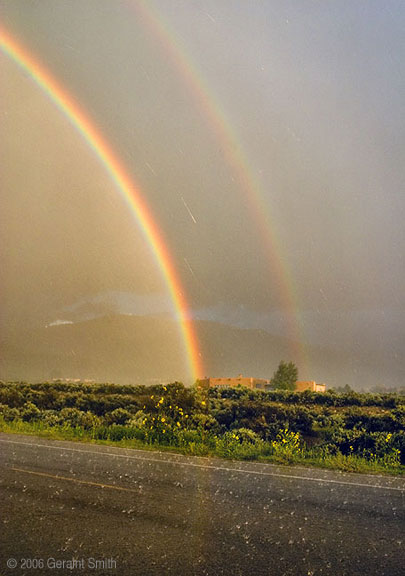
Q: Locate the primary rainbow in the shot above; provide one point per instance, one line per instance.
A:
(237, 160)
(128, 189)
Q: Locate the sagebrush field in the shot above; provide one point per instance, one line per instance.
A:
(359, 432)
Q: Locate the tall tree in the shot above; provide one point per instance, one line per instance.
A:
(285, 377)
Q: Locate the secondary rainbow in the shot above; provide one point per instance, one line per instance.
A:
(124, 183)
(237, 160)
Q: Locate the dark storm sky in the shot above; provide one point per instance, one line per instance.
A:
(313, 91)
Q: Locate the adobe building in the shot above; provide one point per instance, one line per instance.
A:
(252, 383)
(311, 385)
(257, 384)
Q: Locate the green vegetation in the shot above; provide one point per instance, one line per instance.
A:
(285, 377)
(356, 432)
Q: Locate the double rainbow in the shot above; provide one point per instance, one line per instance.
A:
(237, 160)
(128, 189)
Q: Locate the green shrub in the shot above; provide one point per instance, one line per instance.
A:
(101, 433)
(12, 396)
(138, 420)
(9, 414)
(77, 419)
(241, 444)
(227, 445)
(288, 445)
(51, 418)
(118, 416)
(29, 412)
(117, 432)
(204, 423)
(245, 435)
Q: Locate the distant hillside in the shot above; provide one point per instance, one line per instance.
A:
(128, 349)
(134, 349)
(111, 348)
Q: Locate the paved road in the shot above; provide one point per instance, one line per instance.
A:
(150, 513)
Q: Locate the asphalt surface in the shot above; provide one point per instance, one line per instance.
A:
(102, 510)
